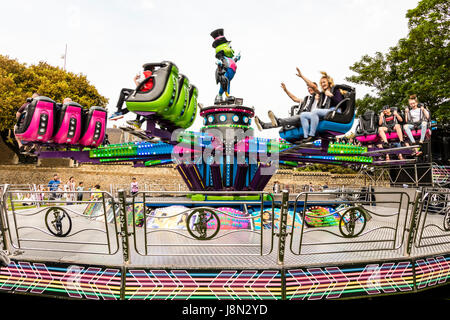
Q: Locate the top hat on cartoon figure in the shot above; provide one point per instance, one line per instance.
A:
(218, 37)
(221, 44)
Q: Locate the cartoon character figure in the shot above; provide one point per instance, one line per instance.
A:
(226, 64)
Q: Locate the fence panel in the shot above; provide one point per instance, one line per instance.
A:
(55, 221)
(207, 224)
(348, 222)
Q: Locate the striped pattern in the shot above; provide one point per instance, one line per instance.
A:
(71, 281)
(222, 285)
(432, 271)
(315, 283)
(372, 279)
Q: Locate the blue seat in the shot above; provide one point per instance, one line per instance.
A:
(335, 123)
(325, 129)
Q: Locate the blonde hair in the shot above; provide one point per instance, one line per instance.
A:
(329, 79)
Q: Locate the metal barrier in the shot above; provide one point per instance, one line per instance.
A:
(353, 225)
(433, 227)
(56, 220)
(196, 228)
(362, 222)
(114, 188)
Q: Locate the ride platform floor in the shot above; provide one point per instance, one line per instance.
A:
(383, 239)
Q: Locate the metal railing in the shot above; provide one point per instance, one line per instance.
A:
(56, 221)
(433, 227)
(169, 187)
(299, 224)
(348, 222)
(199, 227)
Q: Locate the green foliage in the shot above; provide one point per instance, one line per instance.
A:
(19, 81)
(418, 64)
(326, 168)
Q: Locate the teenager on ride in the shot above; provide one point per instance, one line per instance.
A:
(417, 115)
(389, 120)
(330, 96)
(125, 93)
(308, 103)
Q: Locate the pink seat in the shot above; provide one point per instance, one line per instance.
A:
(68, 124)
(37, 121)
(94, 127)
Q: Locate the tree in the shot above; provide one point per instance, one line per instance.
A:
(418, 64)
(18, 82)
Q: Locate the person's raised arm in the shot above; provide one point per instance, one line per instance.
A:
(293, 97)
(136, 79)
(309, 83)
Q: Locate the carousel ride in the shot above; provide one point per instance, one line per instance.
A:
(224, 165)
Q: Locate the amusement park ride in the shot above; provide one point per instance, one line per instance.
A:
(224, 161)
(170, 106)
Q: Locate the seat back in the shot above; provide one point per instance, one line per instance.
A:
(94, 127)
(68, 123)
(182, 101)
(367, 123)
(37, 121)
(345, 110)
(162, 95)
(189, 115)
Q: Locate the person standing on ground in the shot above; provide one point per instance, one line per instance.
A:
(134, 187)
(53, 186)
(79, 189)
(71, 190)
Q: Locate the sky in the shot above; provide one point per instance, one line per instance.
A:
(109, 41)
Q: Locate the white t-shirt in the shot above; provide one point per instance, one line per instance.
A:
(415, 114)
(314, 105)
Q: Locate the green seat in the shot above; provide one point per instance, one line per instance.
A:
(187, 118)
(163, 94)
(174, 112)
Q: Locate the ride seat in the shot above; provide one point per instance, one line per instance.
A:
(367, 123)
(336, 122)
(182, 101)
(367, 129)
(68, 123)
(188, 117)
(93, 127)
(162, 95)
(36, 123)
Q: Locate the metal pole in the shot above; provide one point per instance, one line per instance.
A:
(283, 225)
(3, 213)
(124, 226)
(106, 222)
(415, 214)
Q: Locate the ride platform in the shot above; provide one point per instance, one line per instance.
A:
(401, 246)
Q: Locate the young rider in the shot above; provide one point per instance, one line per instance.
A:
(330, 96)
(125, 93)
(417, 115)
(307, 104)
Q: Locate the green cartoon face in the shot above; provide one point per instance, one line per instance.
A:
(226, 48)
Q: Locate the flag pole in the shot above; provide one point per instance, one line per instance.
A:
(65, 56)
